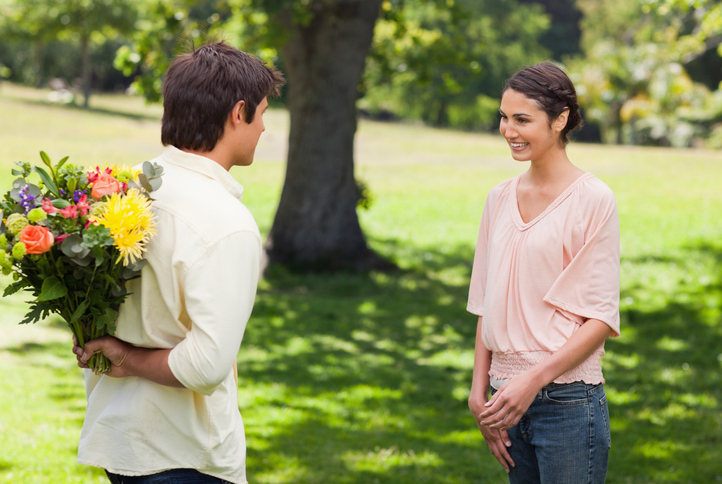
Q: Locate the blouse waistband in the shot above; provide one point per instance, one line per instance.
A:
(508, 365)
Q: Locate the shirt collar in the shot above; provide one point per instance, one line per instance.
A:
(204, 166)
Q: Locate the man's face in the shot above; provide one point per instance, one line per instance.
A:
(249, 135)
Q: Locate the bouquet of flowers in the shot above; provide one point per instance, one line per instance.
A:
(74, 239)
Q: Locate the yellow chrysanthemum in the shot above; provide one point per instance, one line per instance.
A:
(131, 224)
(122, 173)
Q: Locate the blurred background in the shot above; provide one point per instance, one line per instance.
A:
(648, 71)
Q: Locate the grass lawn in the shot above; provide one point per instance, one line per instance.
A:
(364, 378)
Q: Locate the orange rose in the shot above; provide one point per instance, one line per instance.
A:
(37, 239)
(105, 185)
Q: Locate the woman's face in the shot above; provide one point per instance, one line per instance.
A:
(526, 127)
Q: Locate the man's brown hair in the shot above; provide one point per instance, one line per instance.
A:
(201, 88)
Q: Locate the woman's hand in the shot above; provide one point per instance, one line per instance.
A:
(497, 440)
(509, 404)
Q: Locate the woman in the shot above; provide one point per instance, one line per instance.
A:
(545, 285)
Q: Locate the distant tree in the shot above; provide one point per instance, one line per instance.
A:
(323, 47)
(447, 66)
(632, 80)
(34, 22)
(563, 37)
(83, 21)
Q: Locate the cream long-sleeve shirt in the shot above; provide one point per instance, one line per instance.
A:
(195, 296)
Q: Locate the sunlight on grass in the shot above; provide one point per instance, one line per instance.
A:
(348, 378)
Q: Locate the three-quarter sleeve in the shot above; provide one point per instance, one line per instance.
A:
(477, 285)
(588, 287)
(219, 291)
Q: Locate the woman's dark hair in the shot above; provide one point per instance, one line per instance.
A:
(201, 88)
(552, 89)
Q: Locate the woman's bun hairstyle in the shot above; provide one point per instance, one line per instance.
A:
(552, 89)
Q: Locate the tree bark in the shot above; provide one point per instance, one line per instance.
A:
(85, 54)
(316, 225)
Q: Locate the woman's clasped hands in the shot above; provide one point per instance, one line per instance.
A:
(502, 412)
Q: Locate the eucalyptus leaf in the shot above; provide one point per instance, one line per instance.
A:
(18, 185)
(81, 261)
(53, 288)
(144, 182)
(119, 291)
(74, 248)
(148, 169)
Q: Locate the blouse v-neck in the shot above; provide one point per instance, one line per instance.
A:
(554, 204)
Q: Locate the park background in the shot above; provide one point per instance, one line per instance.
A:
(362, 375)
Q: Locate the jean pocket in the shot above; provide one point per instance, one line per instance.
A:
(570, 394)
(605, 417)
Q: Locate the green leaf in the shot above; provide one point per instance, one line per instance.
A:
(106, 321)
(36, 313)
(53, 288)
(145, 183)
(47, 180)
(62, 162)
(60, 203)
(15, 287)
(46, 159)
(79, 311)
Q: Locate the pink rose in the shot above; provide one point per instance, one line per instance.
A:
(104, 185)
(37, 239)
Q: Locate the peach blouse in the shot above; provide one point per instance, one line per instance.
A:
(536, 283)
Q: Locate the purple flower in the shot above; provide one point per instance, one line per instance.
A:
(27, 200)
(77, 194)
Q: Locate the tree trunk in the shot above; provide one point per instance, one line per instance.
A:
(316, 226)
(85, 54)
(39, 63)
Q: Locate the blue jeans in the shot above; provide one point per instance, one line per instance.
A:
(563, 438)
(175, 476)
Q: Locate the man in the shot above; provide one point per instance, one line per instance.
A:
(168, 409)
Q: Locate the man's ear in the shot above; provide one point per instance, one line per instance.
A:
(238, 113)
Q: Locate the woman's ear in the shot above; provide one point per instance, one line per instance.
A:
(561, 122)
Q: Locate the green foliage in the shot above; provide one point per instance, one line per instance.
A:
(444, 64)
(632, 81)
(352, 378)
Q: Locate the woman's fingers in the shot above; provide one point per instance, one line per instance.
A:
(498, 443)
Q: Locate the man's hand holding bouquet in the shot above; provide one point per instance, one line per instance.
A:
(74, 238)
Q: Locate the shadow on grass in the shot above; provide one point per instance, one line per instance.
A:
(666, 384)
(94, 110)
(64, 383)
(364, 378)
(372, 370)
(351, 378)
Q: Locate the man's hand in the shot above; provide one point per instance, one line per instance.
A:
(497, 440)
(115, 350)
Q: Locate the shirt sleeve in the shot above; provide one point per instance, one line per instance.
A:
(589, 286)
(219, 291)
(477, 286)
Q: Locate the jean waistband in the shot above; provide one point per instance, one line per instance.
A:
(496, 384)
